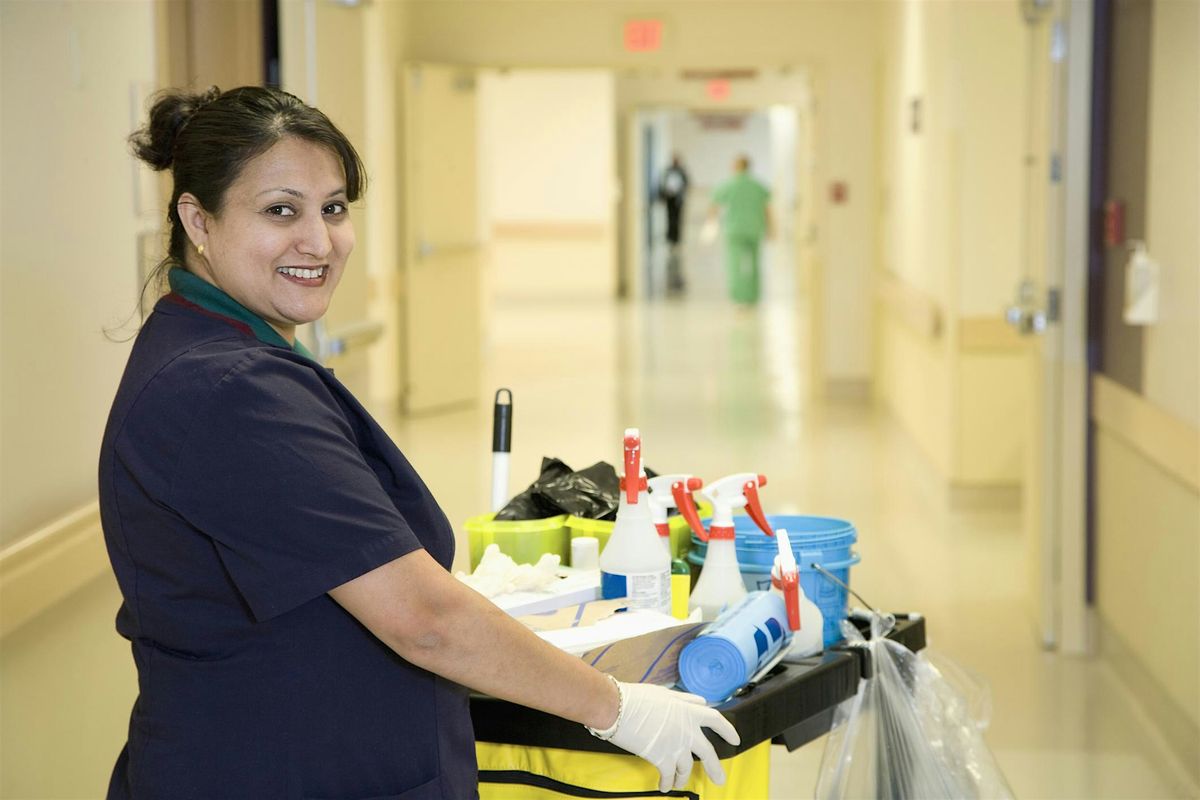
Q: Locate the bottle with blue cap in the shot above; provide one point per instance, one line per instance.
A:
(634, 564)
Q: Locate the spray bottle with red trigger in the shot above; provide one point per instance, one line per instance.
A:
(633, 563)
(720, 582)
(667, 492)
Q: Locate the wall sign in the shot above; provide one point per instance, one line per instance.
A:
(643, 35)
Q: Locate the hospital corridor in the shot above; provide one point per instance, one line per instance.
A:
(965, 320)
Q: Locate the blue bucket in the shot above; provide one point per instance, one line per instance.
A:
(823, 540)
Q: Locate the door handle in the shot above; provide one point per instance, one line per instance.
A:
(1027, 315)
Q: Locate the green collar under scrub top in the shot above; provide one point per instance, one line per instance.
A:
(196, 290)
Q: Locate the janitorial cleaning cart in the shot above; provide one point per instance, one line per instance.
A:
(529, 755)
(525, 754)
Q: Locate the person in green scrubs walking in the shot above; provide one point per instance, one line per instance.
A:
(746, 220)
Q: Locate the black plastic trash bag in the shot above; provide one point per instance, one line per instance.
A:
(910, 733)
(530, 504)
(591, 493)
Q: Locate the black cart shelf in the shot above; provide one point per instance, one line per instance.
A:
(791, 706)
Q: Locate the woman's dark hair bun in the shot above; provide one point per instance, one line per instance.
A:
(154, 143)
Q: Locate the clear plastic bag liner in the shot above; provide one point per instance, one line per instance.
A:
(910, 731)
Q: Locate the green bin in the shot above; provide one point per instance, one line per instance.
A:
(524, 541)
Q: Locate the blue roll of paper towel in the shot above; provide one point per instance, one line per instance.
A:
(721, 660)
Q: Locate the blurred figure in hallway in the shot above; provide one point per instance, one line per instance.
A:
(745, 220)
(672, 190)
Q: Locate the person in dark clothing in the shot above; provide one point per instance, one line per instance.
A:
(672, 191)
(283, 567)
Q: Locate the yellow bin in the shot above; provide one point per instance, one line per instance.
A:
(681, 534)
(524, 541)
(515, 772)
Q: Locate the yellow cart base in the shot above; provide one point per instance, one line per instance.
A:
(516, 772)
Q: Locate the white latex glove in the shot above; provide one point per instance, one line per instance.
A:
(664, 727)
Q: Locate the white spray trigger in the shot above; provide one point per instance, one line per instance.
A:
(786, 558)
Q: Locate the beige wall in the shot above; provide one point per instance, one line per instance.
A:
(1171, 358)
(73, 80)
(547, 149)
(550, 141)
(1148, 586)
(953, 113)
(1148, 509)
(74, 77)
(914, 381)
(383, 55)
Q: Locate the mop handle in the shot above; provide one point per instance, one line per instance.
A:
(501, 447)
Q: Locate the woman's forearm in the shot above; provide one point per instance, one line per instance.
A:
(434, 621)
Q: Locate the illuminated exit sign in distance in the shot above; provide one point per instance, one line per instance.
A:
(643, 35)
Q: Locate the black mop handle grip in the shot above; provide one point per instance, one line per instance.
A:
(502, 422)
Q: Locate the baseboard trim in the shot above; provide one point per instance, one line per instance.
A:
(49, 564)
(1178, 735)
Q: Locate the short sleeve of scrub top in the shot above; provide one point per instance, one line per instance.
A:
(271, 472)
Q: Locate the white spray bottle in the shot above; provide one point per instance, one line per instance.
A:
(720, 581)
(667, 492)
(804, 618)
(664, 496)
(634, 564)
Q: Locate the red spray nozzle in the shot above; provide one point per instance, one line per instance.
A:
(754, 505)
(687, 505)
(789, 584)
(633, 482)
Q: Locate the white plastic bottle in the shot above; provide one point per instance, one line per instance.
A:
(634, 563)
(720, 583)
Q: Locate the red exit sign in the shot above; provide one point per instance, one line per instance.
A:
(643, 35)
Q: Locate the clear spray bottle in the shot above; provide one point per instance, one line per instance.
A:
(634, 563)
(720, 583)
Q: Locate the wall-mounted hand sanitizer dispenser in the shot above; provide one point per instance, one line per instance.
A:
(1141, 287)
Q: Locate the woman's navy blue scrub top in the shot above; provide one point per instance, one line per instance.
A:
(239, 483)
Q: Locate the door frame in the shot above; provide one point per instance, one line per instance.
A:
(1067, 404)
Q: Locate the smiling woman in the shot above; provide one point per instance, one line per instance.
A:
(262, 184)
(280, 243)
(283, 568)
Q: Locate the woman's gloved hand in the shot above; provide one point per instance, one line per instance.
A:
(664, 727)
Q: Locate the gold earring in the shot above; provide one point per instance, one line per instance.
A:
(200, 249)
